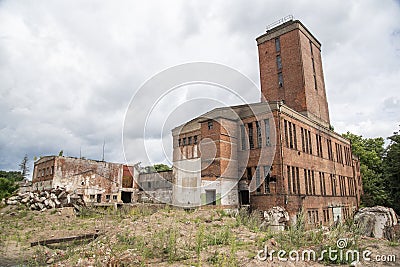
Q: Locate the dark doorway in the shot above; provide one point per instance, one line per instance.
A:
(244, 197)
(98, 198)
(126, 197)
(211, 197)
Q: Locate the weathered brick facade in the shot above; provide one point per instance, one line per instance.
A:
(292, 52)
(280, 152)
(95, 181)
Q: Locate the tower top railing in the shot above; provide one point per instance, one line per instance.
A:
(279, 22)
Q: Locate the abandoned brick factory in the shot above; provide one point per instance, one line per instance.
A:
(280, 152)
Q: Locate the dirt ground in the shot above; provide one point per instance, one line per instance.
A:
(146, 236)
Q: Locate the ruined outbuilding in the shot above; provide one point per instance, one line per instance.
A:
(100, 182)
(155, 187)
(93, 181)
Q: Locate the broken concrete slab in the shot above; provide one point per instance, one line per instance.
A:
(12, 202)
(276, 218)
(376, 222)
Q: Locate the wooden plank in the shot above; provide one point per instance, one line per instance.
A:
(64, 239)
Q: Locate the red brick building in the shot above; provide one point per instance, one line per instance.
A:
(279, 152)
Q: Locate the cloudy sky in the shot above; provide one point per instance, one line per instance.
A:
(68, 69)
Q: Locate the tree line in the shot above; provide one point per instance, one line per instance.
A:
(9, 179)
(380, 169)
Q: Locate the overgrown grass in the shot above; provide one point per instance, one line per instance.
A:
(296, 238)
(252, 221)
(176, 237)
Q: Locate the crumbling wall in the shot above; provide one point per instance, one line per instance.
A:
(156, 187)
(94, 181)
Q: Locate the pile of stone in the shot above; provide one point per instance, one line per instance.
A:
(46, 199)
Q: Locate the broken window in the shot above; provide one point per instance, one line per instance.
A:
(267, 179)
(306, 141)
(330, 153)
(280, 79)
(339, 155)
(189, 140)
(259, 138)
(286, 133)
(210, 125)
(289, 180)
(251, 142)
(313, 184)
(258, 179)
(309, 142)
(267, 132)
(306, 182)
(294, 136)
(290, 134)
(333, 184)
(114, 197)
(195, 139)
(108, 197)
(322, 183)
(295, 180)
(184, 141)
(309, 182)
(279, 62)
(277, 45)
(318, 138)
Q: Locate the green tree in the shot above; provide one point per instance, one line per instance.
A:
(370, 152)
(8, 183)
(23, 166)
(161, 167)
(391, 170)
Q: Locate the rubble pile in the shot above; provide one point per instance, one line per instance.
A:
(46, 199)
(275, 218)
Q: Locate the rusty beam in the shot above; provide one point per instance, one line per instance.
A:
(65, 239)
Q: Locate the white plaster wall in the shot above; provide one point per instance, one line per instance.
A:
(227, 189)
(186, 190)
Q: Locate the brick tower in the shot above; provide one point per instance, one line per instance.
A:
(291, 70)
